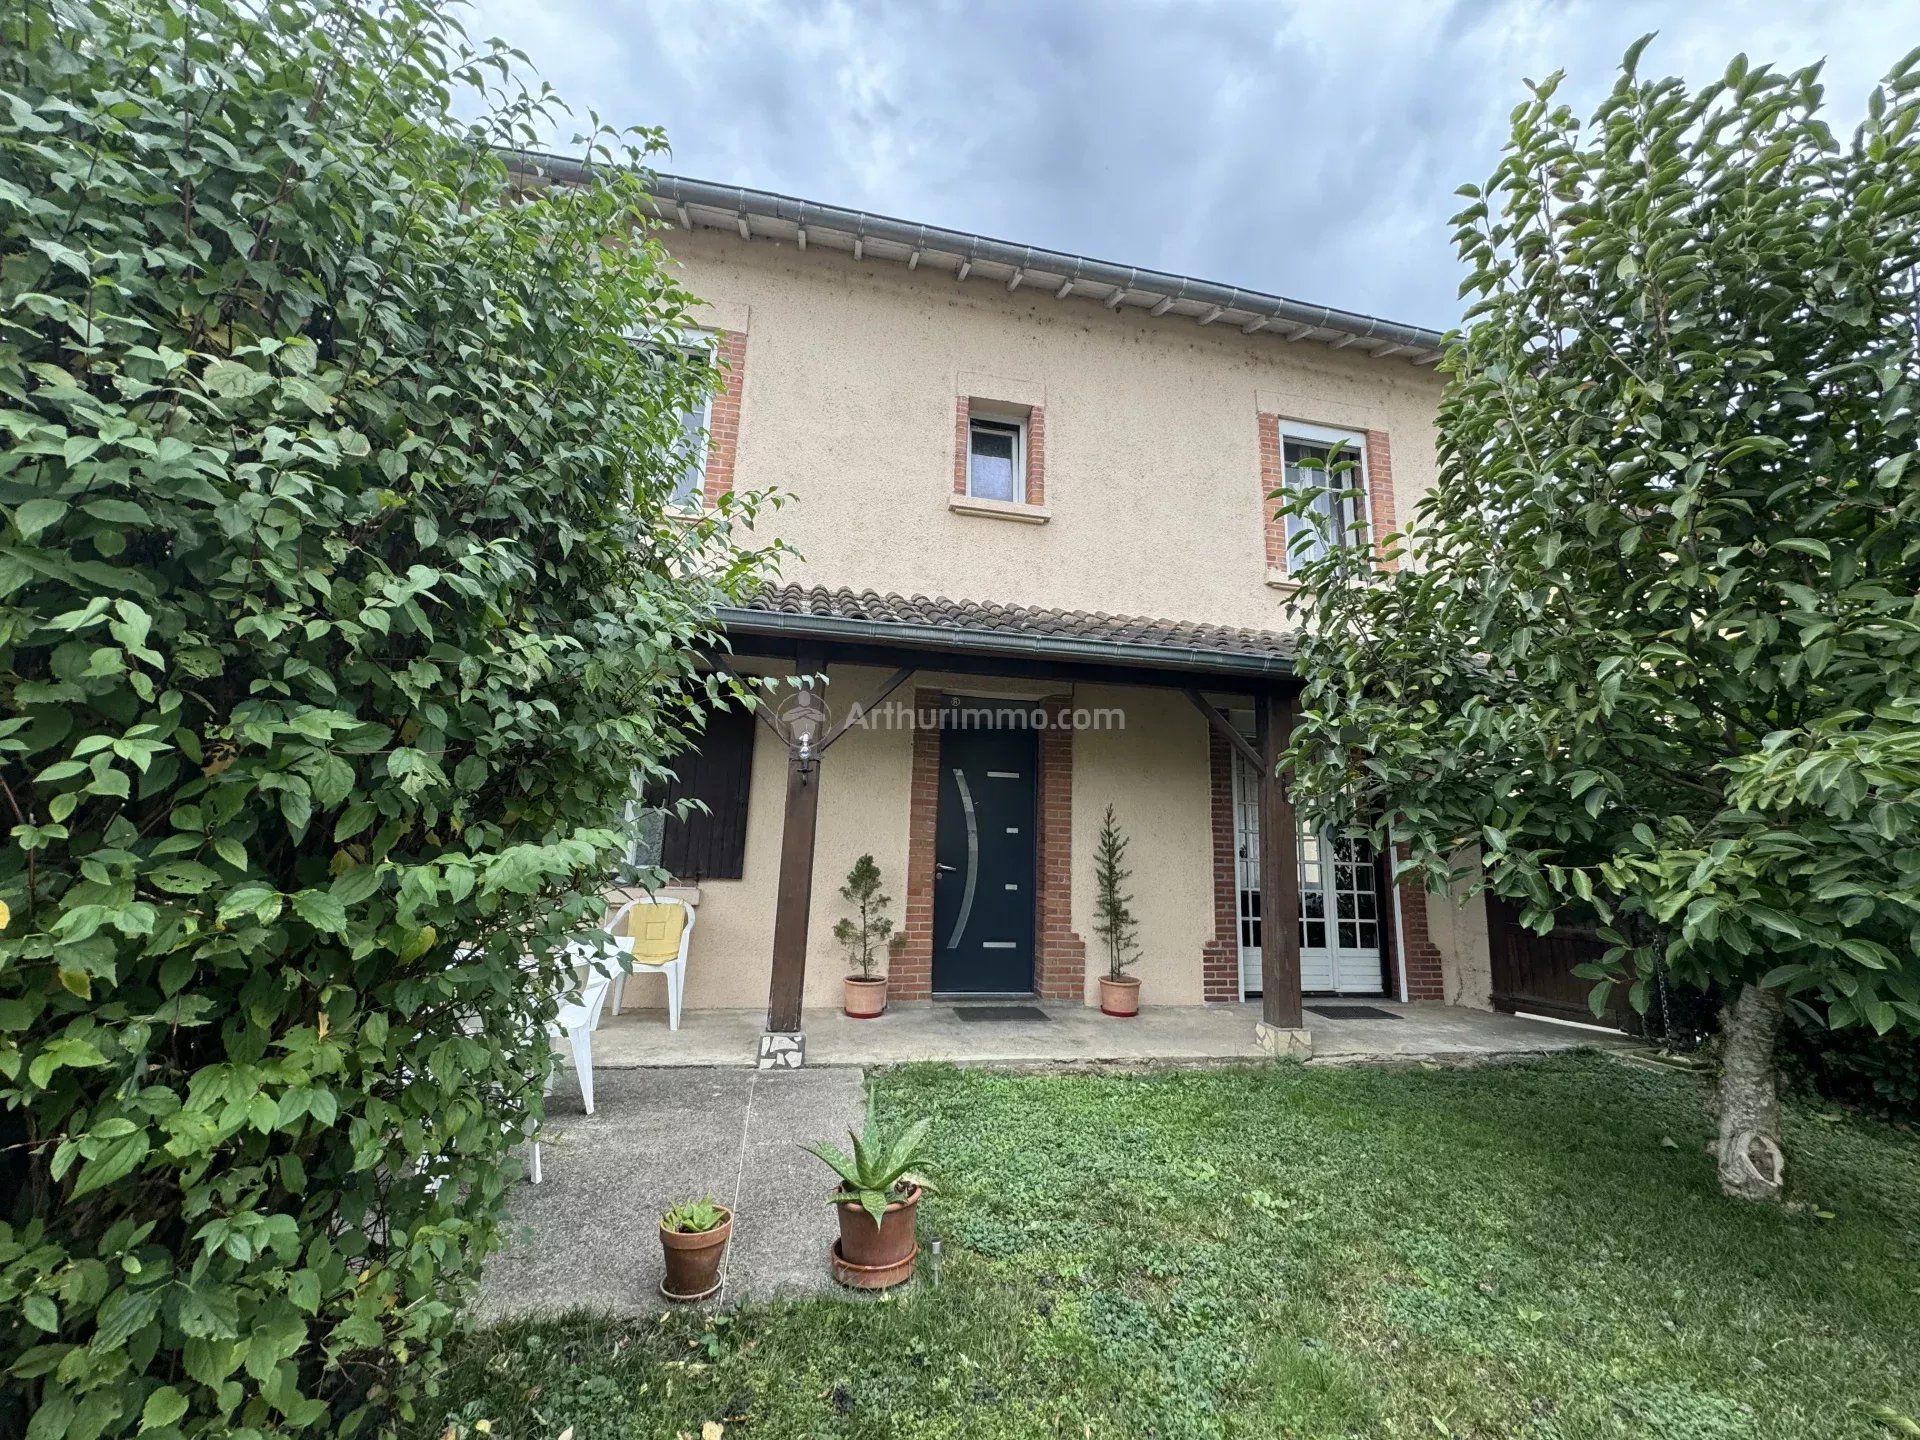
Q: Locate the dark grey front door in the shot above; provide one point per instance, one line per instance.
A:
(983, 900)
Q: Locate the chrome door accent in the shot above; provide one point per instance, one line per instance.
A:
(973, 859)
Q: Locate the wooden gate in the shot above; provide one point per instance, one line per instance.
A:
(1534, 972)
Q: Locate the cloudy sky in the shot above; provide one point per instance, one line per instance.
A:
(1306, 147)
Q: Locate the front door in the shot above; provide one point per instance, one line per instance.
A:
(984, 870)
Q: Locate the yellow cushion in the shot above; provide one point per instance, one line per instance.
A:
(656, 933)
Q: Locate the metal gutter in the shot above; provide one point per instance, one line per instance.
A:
(1161, 288)
(985, 642)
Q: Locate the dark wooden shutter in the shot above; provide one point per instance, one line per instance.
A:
(711, 844)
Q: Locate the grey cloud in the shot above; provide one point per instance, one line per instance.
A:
(1310, 149)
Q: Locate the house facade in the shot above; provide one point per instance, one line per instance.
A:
(1037, 566)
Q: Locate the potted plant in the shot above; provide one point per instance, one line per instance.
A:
(878, 1199)
(862, 935)
(693, 1237)
(1114, 922)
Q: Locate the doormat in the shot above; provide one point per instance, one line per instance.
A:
(1353, 1012)
(1000, 1012)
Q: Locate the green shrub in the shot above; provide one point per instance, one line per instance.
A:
(338, 602)
(1880, 1073)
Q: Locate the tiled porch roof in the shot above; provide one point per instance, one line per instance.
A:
(975, 624)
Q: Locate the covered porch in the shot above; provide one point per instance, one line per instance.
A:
(1070, 1033)
(1003, 777)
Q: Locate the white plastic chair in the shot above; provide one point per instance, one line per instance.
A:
(579, 1014)
(675, 970)
(578, 1018)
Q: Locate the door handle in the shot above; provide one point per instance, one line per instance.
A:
(939, 866)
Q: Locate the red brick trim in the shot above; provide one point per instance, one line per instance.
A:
(1380, 488)
(1272, 477)
(962, 413)
(1060, 956)
(723, 419)
(1421, 960)
(1036, 456)
(1220, 956)
(910, 973)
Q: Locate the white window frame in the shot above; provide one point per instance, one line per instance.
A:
(1327, 435)
(690, 341)
(1019, 429)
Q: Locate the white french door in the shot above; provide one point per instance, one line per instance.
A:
(1339, 902)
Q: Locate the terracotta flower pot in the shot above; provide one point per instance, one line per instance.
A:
(693, 1260)
(1119, 998)
(870, 1257)
(865, 999)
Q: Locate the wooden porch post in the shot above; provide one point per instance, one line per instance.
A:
(1279, 875)
(793, 900)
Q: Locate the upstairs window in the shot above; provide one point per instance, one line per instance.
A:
(996, 460)
(690, 454)
(1309, 461)
(670, 348)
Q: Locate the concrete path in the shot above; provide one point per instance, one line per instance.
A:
(589, 1235)
(1080, 1034)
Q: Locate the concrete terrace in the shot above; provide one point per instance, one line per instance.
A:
(1080, 1034)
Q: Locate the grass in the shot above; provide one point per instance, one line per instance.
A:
(1514, 1251)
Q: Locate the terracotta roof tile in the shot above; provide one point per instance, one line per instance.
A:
(985, 618)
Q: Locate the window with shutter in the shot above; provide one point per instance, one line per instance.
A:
(710, 844)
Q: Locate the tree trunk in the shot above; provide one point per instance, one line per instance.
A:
(1752, 1166)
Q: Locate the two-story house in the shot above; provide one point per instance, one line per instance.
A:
(1029, 502)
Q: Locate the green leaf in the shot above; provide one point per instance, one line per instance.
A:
(41, 1313)
(35, 516)
(164, 1406)
(321, 910)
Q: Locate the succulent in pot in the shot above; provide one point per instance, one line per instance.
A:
(878, 1200)
(693, 1239)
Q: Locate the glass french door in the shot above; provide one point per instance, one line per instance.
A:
(1339, 902)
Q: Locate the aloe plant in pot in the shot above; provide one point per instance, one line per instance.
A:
(693, 1239)
(878, 1200)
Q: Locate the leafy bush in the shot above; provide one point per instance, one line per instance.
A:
(337, 604)
(1876, 1072)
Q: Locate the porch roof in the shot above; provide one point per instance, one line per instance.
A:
(923, 622)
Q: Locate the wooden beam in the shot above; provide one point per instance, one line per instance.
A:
(848, 720)
(1223, 727)
(1279, 868)
(793, 897)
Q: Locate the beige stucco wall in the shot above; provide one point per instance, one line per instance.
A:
(1154, 774)
(1152, 459)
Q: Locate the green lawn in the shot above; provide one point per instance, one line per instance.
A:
(1528, 1250)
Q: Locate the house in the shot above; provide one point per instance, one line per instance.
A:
(1035, 550)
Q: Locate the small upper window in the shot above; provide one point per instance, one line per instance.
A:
(1310, 465)
(684, 347)
(996, 460)
(691, 453)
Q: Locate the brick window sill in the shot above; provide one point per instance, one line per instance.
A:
(1277, 580)
(999, 510)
